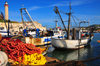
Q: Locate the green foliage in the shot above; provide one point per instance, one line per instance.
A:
(13, 22)
(7, 21)
(1, 20)
(96, 26)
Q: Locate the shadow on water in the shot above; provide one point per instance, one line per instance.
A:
(89, 52)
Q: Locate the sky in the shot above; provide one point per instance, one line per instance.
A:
(43, 10)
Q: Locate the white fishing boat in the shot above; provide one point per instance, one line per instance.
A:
(38, 37)
(45, 40)
(71, 42)
(58, 33)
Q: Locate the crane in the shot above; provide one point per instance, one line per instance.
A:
(57, 12)
(27, 15)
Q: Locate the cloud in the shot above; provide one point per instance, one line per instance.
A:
(35, 8)
(58, 4)
(63, 3)
(78, 3)
(73, 3)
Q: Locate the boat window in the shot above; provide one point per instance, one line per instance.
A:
(12, 30)
(1, 28)
(32, 30)
(56, 32)
(56, 28)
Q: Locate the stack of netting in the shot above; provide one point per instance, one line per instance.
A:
(22, 53)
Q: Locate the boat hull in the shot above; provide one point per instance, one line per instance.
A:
(70, 44)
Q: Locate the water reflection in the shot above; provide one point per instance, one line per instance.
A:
(68, 55)
(91, 51)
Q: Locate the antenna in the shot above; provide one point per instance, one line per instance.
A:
(56, 23)
(27, 15)
(57, 12)
(70, 7)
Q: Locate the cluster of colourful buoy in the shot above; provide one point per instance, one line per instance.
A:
(33, 59)
(23, 53)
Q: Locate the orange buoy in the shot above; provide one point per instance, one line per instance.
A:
(98, 41)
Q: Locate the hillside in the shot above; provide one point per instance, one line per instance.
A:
(95, 26)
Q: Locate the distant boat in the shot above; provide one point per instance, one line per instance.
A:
(45, 39)
(3, 31)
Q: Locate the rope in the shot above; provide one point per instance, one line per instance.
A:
(16, 37)
(74, 20)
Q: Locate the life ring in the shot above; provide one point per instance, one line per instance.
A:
(98, 41)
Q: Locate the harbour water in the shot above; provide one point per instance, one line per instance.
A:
(89, 52)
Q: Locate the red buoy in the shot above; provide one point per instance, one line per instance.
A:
(82, 35)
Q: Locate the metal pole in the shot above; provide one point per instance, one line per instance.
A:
(30, 18)
(22, 18)
(8, 27)
(57, 12)
(68, 33)
(56, 24)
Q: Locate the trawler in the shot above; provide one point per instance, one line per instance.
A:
(71, 42)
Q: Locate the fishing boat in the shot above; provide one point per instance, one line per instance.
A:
(46, 38)
(58, 33)
(37, 36)
(71, 42)
(4, 30)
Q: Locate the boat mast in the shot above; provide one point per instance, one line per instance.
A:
(28, 17)
(56, 23)
(57, 12)
(22, 18)
(69, 14)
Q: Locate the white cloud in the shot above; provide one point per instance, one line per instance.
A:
(73, 3)
(63, 3)
(35, 7)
